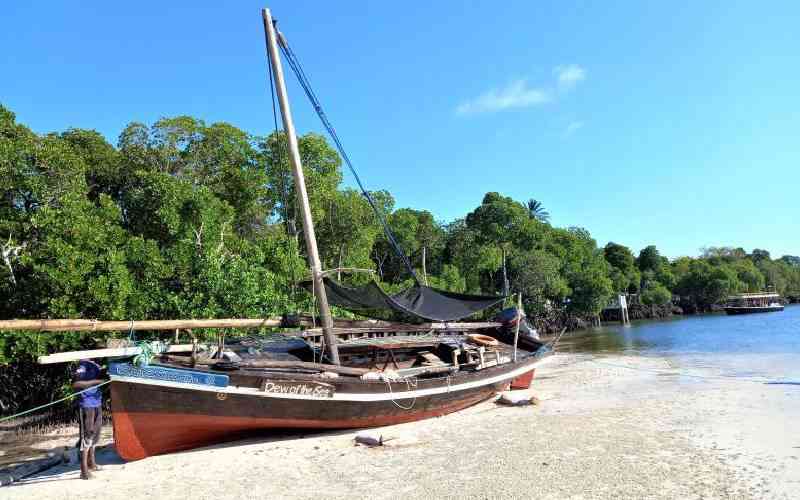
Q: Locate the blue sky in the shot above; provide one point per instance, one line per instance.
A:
(646, 122)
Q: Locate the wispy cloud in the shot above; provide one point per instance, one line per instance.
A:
(569, 75)
(517, 94)
(572, 128)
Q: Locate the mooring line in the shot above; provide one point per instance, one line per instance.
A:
(4, 419)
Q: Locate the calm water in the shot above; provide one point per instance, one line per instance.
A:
(764, 345)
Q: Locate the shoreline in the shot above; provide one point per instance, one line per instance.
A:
(606, 427)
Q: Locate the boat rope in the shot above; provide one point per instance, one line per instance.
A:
(297, 68)
(146, 349)
(145, 356)
(553, 343)
(41, 407)
(409, 384)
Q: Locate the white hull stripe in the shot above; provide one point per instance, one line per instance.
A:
(396, 394)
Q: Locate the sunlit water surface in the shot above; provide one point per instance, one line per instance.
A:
(754, 345)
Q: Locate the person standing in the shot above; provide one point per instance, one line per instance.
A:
(89, 375)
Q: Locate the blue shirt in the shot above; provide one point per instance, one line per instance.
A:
(89, 370)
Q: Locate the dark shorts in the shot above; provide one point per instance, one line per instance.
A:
(91, 422)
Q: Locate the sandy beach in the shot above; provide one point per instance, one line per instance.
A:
(606, 427)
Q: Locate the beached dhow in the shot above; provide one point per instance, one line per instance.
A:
(417, 362)
(176, 403)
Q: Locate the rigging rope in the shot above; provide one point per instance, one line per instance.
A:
(53, 402)
(291, 229)
(297, 68)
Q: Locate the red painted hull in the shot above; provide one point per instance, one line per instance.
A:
(139, 435)
(523, 381)
(152, 419)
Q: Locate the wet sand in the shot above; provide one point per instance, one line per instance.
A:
(607, 427)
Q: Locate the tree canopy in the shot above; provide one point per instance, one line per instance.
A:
(183, 218)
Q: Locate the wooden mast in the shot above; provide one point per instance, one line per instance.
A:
(300, 185)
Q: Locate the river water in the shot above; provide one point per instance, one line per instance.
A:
(763, 346)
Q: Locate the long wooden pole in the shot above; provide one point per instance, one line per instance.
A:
(90, 325)
(300, 186)
(341, 326)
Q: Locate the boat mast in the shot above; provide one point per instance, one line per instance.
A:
(300, 185)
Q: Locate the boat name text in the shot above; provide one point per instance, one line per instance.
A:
(311, 389)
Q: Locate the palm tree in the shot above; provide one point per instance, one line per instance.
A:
(536, 211)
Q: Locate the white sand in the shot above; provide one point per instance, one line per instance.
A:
(601, 431)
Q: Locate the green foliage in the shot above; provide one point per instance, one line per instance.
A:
(536, 275)
(536, 210)
(649, 259)
(705, 284)
(188, 219)
(449, 279)
(624, 273)
(656, 295)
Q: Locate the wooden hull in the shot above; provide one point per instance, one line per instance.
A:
(752, 310)
(152, 417)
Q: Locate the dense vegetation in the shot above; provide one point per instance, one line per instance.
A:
(187, 219)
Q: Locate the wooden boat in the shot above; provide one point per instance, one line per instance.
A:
(750, 303)
(171, 405)
(361, 374)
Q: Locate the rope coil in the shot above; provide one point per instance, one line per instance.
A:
(409, 383)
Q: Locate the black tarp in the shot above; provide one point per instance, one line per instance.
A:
(418, 303)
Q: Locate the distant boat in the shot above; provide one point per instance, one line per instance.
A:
(749, 303)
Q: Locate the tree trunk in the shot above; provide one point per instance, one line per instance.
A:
(505, 275)
(379, 261)
(339, 266)
(424, 270)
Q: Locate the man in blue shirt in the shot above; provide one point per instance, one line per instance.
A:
(87, 376)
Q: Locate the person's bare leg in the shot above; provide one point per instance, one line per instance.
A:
(85, 474)
(92, 462)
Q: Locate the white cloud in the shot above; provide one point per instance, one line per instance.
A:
(517, 94)
(569, 75)
(572, 128)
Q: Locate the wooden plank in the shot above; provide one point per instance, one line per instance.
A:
(323, 367)
(64, 357)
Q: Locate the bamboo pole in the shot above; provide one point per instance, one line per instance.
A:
(300, 186)
(91, 325)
